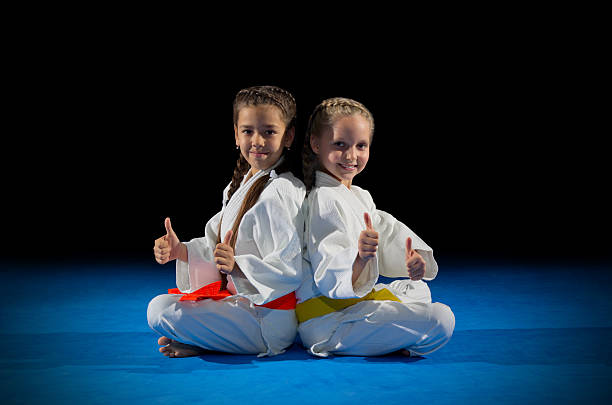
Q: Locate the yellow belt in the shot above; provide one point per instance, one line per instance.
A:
(319, 306)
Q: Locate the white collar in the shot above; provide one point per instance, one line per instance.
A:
(270, 170)
(325, 180)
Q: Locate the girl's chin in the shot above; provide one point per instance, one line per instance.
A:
(259, 164)
(343, 175)
(348, 176)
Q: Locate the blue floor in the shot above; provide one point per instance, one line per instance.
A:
(525, 334)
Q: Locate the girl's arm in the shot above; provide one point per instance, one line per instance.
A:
(358, 266)
(195, 265)
(339, 269)
(392, 255)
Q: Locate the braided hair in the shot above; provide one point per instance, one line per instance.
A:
(252, 96)
(324, 116)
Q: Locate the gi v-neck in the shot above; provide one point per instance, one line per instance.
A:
(245, 185)
(354, 201)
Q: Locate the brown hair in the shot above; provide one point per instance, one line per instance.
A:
(324, 116)
(252, 96)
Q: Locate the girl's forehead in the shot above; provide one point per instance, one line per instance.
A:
(267, 112)
(351, 125)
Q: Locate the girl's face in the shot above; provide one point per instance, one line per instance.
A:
(344, 148)
(259, 134)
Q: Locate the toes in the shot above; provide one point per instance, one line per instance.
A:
(163, 341)
(173, 349)
(165, 350)
(168, 351)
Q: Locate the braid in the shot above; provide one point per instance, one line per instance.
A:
(309, 163)
(242, 167)
(324, 116)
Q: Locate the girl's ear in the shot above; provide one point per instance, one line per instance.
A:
(289, 136)
(314, 144)
(236, 135)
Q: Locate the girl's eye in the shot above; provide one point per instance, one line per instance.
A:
(270, 132)
(362, 146)
(339, 144)
(247, 131)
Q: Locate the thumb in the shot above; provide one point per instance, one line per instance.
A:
(228, 237)
(168, 225)
(408, 248)
(368, 221)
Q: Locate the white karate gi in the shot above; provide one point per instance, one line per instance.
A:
(268, 252)
(333, 224)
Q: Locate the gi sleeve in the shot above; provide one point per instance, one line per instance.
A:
(392, 235)
(200, 269)
(332, 250)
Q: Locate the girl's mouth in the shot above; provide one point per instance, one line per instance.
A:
(258, 154)
(350, 168)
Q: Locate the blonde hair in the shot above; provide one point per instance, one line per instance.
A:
(324, 116)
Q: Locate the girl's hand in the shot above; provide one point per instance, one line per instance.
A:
(368, 240)
(168, 247)
(224, 255)
(414, 262)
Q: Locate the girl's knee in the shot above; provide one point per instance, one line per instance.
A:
(157, 307)
(445, 317)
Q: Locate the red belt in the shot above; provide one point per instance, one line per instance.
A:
(214, 291)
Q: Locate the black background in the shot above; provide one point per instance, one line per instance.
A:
(486, 149)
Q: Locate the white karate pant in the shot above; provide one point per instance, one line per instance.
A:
(232, 325)
(372, 328)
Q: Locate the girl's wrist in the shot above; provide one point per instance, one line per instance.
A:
(182, 252)
(360, 261)
(358, 266)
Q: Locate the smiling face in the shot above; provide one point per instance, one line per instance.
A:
(343, 148)
(260, 134)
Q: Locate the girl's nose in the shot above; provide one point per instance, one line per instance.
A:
(351, 154)
(257, 139)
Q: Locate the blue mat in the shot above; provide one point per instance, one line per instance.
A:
(524, 334)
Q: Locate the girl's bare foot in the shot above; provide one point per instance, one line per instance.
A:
(172, 348)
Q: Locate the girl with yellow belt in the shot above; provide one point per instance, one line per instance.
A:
(341, 308)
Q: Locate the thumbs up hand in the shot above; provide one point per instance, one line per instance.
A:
(224, 255)
(414, 262)
(368, 240)
(168, 247)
